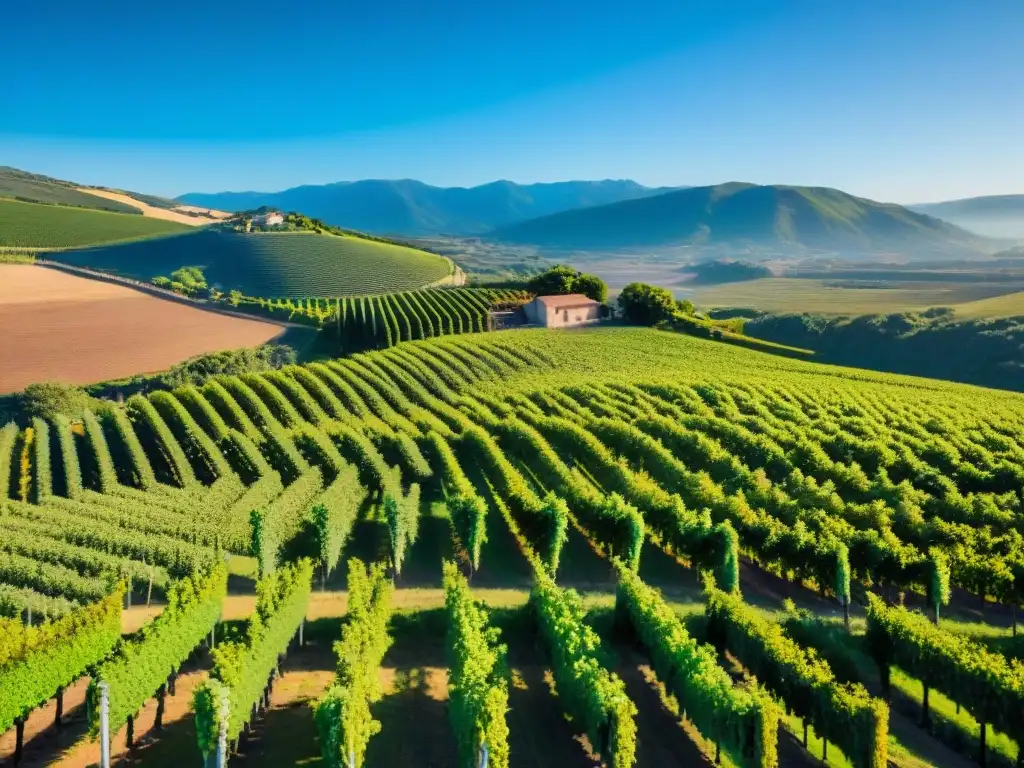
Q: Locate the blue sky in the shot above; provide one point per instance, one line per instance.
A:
(903, 100)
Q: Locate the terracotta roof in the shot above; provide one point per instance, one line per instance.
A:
(570, 301)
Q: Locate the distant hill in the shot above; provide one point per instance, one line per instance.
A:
(992, 215)
(287, 264)
(748, 214)
(413, 208)
(35, 225)
(35, 188)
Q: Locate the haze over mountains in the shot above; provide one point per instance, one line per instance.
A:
(413, 208)
(992, 215)
(737, 213)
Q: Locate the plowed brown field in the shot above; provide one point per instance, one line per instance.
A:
(60, 327)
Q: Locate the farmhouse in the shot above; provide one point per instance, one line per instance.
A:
(563, 311)
(271, 219)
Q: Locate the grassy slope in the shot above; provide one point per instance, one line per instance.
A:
(43, 189)
(31, 225)
(274, 264)
(1008, 305)
(785, 294)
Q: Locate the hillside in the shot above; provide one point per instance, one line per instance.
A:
(34, 225)
(33, 187)
(294, 264)
(990, 350)
(778, 217)
(413, 208)
(633, 465)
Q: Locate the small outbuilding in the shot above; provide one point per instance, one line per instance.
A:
(563, 311)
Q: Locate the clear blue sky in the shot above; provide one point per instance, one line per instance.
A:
(903, 100)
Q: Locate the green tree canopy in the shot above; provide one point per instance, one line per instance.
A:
(51, 397)
(644, 304)
(561, 280)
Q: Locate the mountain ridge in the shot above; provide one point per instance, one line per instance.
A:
(411, 207)
(781, 216)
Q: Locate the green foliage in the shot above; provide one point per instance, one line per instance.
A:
(343, 717)
(198, 370)
(593, 696)
(478, 677)
(243, 666)
(466, 508)
(50, 398)
(842, 713)
(741, 718)
(402, 513)
(143, 662)
(561, 280)
(987, 349)
(988, 685)
(643, 304)
(36, 661)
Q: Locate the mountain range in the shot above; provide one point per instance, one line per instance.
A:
(736, 213)
(412, 208)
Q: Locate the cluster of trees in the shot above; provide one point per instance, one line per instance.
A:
(188, 281)
(989, 352)
(198, 370)
(561, 280)
(643, 304)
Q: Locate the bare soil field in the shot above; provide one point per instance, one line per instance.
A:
(57, 326)
(177, 214)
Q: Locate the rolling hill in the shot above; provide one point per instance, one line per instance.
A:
(992, 215)
(35, 225)
(414, 208)
(291, 264)
(36, 188)
(739, 213)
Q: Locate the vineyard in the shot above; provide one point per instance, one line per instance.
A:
(454, 492)
(291, 264)
(381, 321)
(33, 225)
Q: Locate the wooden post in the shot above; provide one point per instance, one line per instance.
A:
(846, 614)
(824, 749)
(805, 733)
(171, 687)
(149, 590)
(984, 728)
(19, 739)
(161, 693)
(302, 626)
(58, 719)
(130, 735)
(924, 705)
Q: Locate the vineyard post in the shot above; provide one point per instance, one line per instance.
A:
(222, 739)
(19, 738)
(57, 718)
(484, 755)
(302, 626)
(104, 725)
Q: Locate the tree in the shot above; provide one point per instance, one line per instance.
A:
(561, 280)
(685, 306)
(592, 287)
(645, 304)
(51, 397)
(557, 281)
